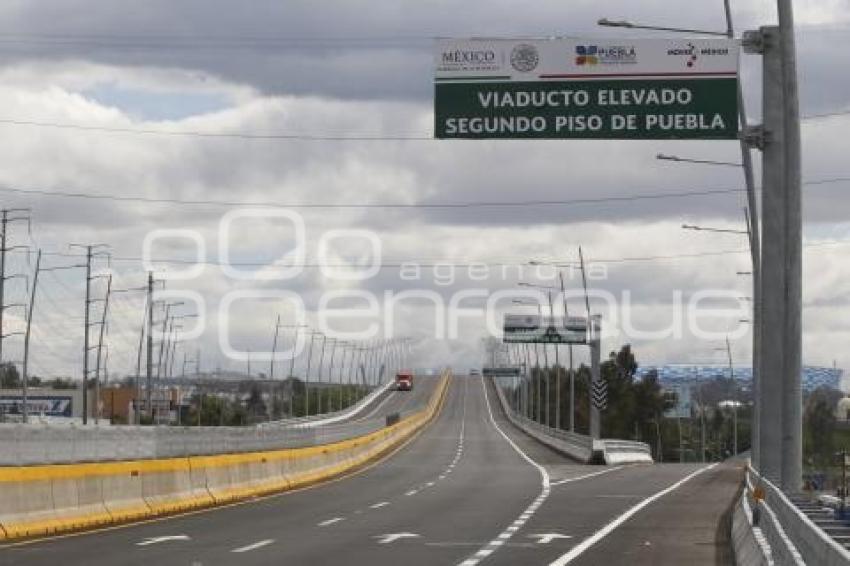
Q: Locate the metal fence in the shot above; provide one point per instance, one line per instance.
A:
(793, 538)
(31, 444)
(575, 445)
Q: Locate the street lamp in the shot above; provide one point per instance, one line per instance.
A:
(787, 49)
(717, 230)
(605, 22)
(677, 159)
(537, 405)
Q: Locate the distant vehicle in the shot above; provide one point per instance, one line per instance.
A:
(474, 372)
(404, 381)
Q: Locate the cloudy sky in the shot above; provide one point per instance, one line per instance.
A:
(220, 103)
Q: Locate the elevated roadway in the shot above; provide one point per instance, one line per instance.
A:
(469, 489)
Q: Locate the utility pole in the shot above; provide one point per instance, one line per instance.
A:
(25, 375)
(755, 249)
(86, 338)
(92, 251)
(149, 368)
(319, 388)
(792, 421)
(307, 375)
(292, 373)
(734, 401)
(274, 348)
(99, 350)
(570, 350)
(4, 247)
(594, 341)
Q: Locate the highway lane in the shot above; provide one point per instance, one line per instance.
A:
(459, 493)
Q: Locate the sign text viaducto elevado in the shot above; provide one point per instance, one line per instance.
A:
(559, 89)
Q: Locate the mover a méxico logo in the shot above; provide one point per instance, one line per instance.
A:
(590, 55)
(691, 54)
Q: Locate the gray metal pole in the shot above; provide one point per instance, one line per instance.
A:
(86, 339)
(792, 418)
(138, 403)
(4, 220)
(595, 354)
(25, 375)
(307, 376)
(319, 388)
(755, 251)
(274, 347)
(100, 350)
(734, 401)
(149, 368)
(595, 344)
(331, 375)
(162, 341)
(557, 373)
(292, 374)
(774, 291)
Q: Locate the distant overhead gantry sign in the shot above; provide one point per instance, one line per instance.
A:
(674, 88)
(534, 329)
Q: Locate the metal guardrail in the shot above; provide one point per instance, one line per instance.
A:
(335, 415)
(578, 446)
(574, 445)
(793, 537)
(22, 445)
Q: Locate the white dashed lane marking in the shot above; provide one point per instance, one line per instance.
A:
(379, 505)
(520, 521)
(331, 521)
(255, 546)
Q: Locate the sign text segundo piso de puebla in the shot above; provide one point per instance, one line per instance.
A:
(560, 89)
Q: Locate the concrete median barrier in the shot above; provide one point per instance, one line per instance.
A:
(48, 499)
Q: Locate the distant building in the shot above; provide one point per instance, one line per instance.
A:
(55, 404)
(669, 375)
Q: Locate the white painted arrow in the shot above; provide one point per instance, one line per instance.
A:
(392, 537)
(546, 538)
(156, 540)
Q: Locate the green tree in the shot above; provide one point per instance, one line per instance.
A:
(819, 427)
(9, 376)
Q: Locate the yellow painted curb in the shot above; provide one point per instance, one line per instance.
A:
(373, 445)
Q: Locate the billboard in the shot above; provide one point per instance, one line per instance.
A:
(534, 329)
(595, 88)
(58, 405)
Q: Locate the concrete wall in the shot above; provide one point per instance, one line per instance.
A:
(48, 499)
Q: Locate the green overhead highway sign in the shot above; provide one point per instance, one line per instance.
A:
(566, 89)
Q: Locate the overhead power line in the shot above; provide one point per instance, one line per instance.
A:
(202, 134)
(399, 263)
(419, 205)
(272, 136)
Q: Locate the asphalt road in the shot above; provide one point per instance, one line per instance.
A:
(468, 490)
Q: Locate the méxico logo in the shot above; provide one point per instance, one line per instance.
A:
(590, 55)
(524, 58)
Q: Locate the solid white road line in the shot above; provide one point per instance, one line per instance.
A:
(518, 523)
(579, 549)
(157, 540)
(331, 521)
(585, 476)
(255, 546)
